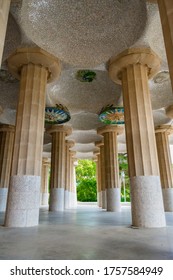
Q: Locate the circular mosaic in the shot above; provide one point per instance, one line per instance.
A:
(85, 75)
(57, 115)
(112, 115)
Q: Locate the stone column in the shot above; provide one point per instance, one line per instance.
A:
(34, 67)
(99, 181)
(4, 12)
(58, 154)
(113, 188)
(45, 181)
(166, 172)
(97, 161)
(75, 163)
(72, 194)
(166, 15)
(69, 144)
(132, 68)
(100, 144)
(6, 151)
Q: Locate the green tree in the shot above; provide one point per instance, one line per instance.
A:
(86, 180)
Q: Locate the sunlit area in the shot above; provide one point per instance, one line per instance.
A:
(86, 181)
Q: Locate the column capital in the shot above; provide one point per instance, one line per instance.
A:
(7, 128)
(70, 143)
(168, 129)
(72, 154)
(96, 153)
(46, 161)
(36, 56)
(59, 128)
(169, 111)
(99, 143)
(132, 56)
(111, 128)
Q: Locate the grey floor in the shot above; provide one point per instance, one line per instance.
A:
(87, 233)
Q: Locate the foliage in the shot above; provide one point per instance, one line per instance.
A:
(85, 75)
(123, 166)
(86, 180)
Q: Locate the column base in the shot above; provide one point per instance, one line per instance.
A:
(104, 200)
(45, 199)
(3, 199)
(99, 199)
(113, 199)
(72, 200)
(56, 199)
(168, 199)
(23, 201)
(147, 202)
(66, 199)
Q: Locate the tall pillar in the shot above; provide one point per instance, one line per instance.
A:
(34, 67)
(6, 151)
(4, 12)
(75, 163)
(72, 193)
(166, 15)
(58, 154)
(97, 160)
(100, 144)
(99, 181)
(113, 188)
(45, 181)
(166, 172)
(69, 144)
(132, 68)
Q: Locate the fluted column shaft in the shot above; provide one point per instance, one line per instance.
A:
(102, 177)
(111, 166)
(96, 159)
(141, 145)
(166, 15)
(6, 150)
(132, 68)
(69, 144)
(166, 172)
(4, 12)
(58, 167)
(72, 199)
(99, 180)
(45, 181)
(27, 157)
(34, 67)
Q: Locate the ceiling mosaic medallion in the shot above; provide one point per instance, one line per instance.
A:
(6, 77)
(112, 115)
(85, 75)
(57, 115)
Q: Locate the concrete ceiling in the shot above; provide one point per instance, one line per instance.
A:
(85, 37)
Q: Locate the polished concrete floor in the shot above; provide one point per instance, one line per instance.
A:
(86, 233)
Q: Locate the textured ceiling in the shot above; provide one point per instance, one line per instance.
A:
(85, 34)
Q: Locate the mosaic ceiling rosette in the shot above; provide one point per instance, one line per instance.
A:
(112, 115)
(57, 115)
